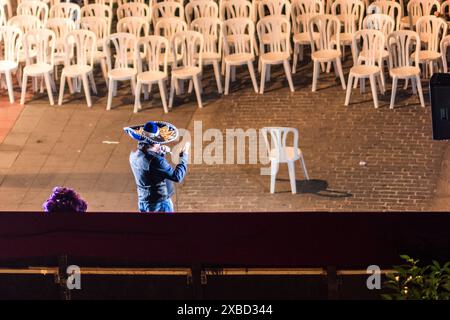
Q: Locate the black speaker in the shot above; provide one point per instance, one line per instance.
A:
(440, 105)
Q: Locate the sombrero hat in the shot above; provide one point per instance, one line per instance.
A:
(153, 132)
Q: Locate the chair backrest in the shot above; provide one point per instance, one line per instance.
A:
(6, 5)
(243, 32)
(372, 43)
(98, 10)
(350, 12)
(402, 44)
(381, 22)
(211, 29)
(66, 10)
(122, 43)
(274, 8)
(169, 9)
(156, 52)
(329, 29)
(302, 11)
(167, 27)
(137, 26)
(445, 43)
(61, 28)
(134, 9)
(420, 8)
(391, 8)
(11, 40)
(3, 17)
(25, 23)
(445, 8)
(81, 45)
(38, 9)
(122, 2)
(109, 3)
(279, 141)
(201, 9)
(188, 45)
(230, 9)
(97, 25)
(42, 43)
(277, 30)
(432, 28)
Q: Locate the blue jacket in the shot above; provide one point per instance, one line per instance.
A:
(154, 175)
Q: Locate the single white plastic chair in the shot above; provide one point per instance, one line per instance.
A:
(280, 152)
(302, 11)
(211, 29)
(137, 26)
(42, 44)
(10, 40)
(38, 9)
(80, 50)
(109, 3)
(98, 10)
(122, 2)
(445, 11)
(434, 30)
(274, 8)
(277, 30)
(188, 44)
(372, 44)
(417, 9)
(121, 71)
(403, 65)
(169, 9)
(134, 9)
(155, 49)
(66, 10)
(241, 51)
(388, 7)
(167, 28)
(328, 45)
(200, 9)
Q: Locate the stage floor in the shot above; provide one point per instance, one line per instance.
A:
(49, 146)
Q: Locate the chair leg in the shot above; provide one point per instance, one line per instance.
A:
(414, 86)
(10, 86)
(373, 85)
(61, 88)
(137, 97)
(87, 91)
(273, 175)
(227, 78)
(133, 85)
(162, 92)
(349, 90)
(291, 168)
(172, 91)
(341, 73)
(302, 162)
(251, 69)
(70, 83)
(104, 70)
(419, 88)
(233, 73)
(394, 90)
(197, 89)
(315, 76)
(49, 88)
(287, 70)
(111, 85)
(91, 78)
(295, 58)
(24, 88)
(217, 76)
(263, 78)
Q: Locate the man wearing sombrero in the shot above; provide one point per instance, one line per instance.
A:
(154, 176)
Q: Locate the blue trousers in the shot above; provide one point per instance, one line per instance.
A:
(162, 206)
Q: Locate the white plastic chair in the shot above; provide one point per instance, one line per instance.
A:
(302, 11)
(445, 11)
(350, 13)
(3, 17)
(42, 42)
(6, 5)
(372, 44)
(328, 46)
(241, 51)
(109, 3)
(134, 9)
(211, 29)
(137, 26)
(169, 9)
(274, 8)
(155, 49)
(280, 152)
(66, 10)
(80, 50)
(122, 2)
(434, 30)
(200, 9)
(11, 40)
(121, 71)
(99, 26)
(167, 28)
(403, 65)
(388, 7)
(277, 30)
(98, 10)
(38, 9)
(417, 9)
(188, 44)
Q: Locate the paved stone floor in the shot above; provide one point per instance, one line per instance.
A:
(51, 145)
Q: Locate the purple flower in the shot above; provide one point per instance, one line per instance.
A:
(64, 200)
